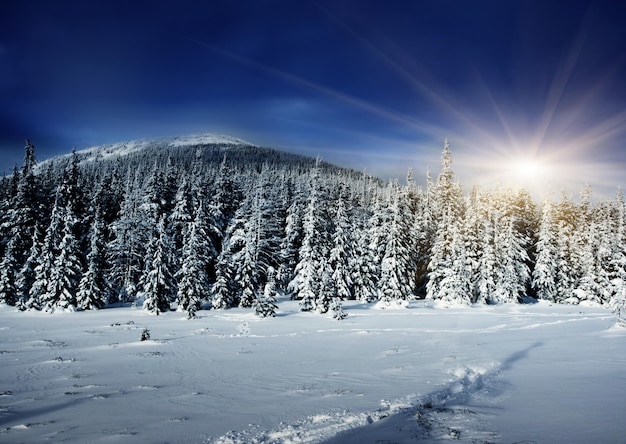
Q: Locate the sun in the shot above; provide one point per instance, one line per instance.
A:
(528, 169)
(531, 173)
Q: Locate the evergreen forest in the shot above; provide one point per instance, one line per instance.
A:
(196, 226)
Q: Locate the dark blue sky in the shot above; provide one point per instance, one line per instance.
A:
(366, 84)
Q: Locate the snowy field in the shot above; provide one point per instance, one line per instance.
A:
(536, 373)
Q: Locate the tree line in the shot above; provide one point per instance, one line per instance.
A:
(220, 226)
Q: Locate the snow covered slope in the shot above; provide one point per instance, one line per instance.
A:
(124, 148)
(537, 373)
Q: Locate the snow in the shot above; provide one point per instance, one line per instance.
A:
(206, 139)
(539, 373)
(122, 149)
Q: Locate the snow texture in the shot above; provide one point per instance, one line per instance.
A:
(539, 373)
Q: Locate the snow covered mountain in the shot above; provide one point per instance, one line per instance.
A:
(122, 149)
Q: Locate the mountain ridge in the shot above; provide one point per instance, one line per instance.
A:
(125, 148)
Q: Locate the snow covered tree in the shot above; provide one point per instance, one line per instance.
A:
(337, 309)
(365, 270)
(545, 272)
(159, 283)
(448, 210)
(127, 249)
(182, 214)
(65, 275)
(8, 287)
(193, 279)
(265, 305)
(512, 261)
(222, 290)
(93, 290)
(26, 276)
(341, 258)
(326, 291)
(292, 239)
(305, 285)
(397, 277)
(25, 209)
(455, 287)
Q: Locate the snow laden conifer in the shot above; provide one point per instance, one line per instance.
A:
(159, 283)
(455, 287)
(305, 285)
(336, 309)
(193, 280)
(292, 239)
(182, 214)
(326, 290)
(545, 272)
(26, 208)
(45, 263)
(341, 259)
(617, 260)
(26, 277)
(265, 304)
(222, 291)
(447, 209)
(512, 262)
(8, 287)
(66, 272)
(93, 288)
(127, 249)
(397, 275)
(365, 271)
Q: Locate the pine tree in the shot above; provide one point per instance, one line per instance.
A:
(488, 265)
(159, 283)
(66, 273)
(127, 250)
(292, 240)
(397, 267)
(93, 289)
(341, 255)
(545, 272)
(26, 276)
(365, 270)
(265, 305)
(456, 285)
(617, 260)
(39, 298)
(513, 263)
(327, 291)
(182, 214)
(8, 288)
(222, 290)
(25, 208)
(193, 279)
(448, 210)
(305, 284)
(337, 309)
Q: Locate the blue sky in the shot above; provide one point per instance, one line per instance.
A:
(373, 85)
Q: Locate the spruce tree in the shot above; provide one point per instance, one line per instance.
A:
(222, 290)
(397, 267)
(341, 258)
(8, 287)
(93, 289)
(66, 273)
(192, 277)
(265, 304)
(306, 282)
(159, 283)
